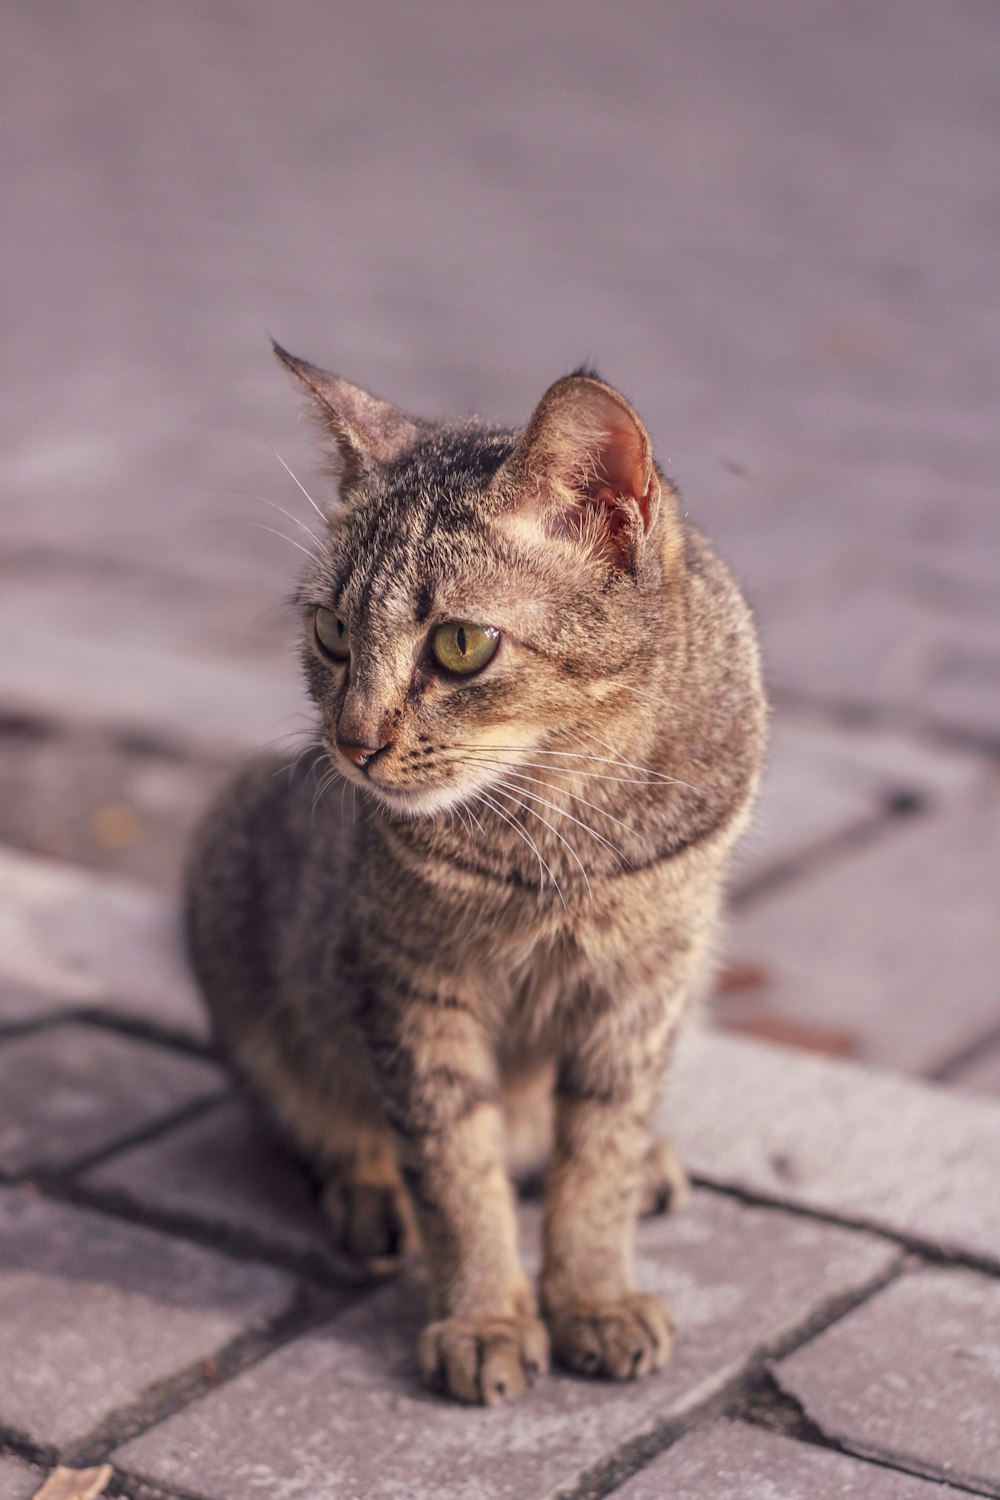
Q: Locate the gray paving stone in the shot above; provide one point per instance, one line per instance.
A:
(981, 1075)
(895, 649)
(355, 1422)
(915, 1158)
(143, 667)
(19, 1004)
(806, 319)
(220, 1169)
(896, 943)
(913, 1376)
(16, 1481)
(823, 777)
(92, 1312)
(69, 1090)
(89, 938)
(732, 1461)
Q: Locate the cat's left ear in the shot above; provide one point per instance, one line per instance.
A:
(365, 429)
(585, 467)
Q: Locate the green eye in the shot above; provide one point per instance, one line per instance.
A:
(464, 648)
(332, 635)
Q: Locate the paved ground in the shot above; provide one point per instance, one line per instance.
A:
(777, 231)
(776, 228)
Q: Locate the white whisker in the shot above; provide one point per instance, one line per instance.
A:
(518, 827)
(511, 793)
(292, 475)
(554, 807)
(259, 525)
(296, 520)
(537, 781)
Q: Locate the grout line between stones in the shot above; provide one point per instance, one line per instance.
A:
(612, 1471)
(986, 1043)
(136, 1028)
(856, 713)
(928, 1250)
(235, 1243)
(308, 1308)
(769, 1405)
(897, 806)
(141, 1136)
(771, 1398)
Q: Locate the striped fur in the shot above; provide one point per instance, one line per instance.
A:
(485, 967)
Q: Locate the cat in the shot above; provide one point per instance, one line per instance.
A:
(546, 689)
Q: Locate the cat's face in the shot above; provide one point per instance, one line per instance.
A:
(474, 609)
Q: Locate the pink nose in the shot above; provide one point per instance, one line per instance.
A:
(360, 755)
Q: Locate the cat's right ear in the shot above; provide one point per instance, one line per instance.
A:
(366, 430)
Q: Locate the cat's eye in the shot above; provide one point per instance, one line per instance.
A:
(464, 648)
(331, 633)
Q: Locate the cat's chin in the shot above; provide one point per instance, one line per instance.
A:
(414, 802)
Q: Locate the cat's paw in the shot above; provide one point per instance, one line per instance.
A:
(484, 1362)
(370, 1220)
(665, 1184)
(619, 1340)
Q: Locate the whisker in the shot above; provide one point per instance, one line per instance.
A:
(537, 781)
(294, 764)
(604, 760)
(623, 760)
(327, 780)
(296, 520)
(510, 792)
(518, 827)
(292, 475)
(532, 765)
(554, 807)
(259, 525)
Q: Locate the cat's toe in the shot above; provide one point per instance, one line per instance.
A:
(665, 1184)
(370, 1220)
(483, 1362)
(619, 1340)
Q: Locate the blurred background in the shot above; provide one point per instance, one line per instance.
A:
(775, 226)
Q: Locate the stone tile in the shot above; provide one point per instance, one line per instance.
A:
(70, 1090)
(857, 944)
(187, 666)
(733, 1461)
(917, 1159)
(127, 809)
(223, 1170)
(94, 1311)
(981, 1075)
(91, 939)
(16, 1481)
(895, 650)
(20, 1004)
(824, 778)
(802, 802)
(912, 1376)
(354, 1420)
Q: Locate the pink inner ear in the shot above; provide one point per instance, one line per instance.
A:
(621, 473)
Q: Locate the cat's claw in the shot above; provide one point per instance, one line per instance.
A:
(483, 1362)
(619, 1340)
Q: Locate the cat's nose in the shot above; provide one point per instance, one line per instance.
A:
(360, 755)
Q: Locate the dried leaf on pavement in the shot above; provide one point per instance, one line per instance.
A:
(74, 1484)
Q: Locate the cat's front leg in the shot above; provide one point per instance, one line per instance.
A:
(599, 1322)
(442, 1100)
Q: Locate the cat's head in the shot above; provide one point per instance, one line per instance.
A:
(482, 597)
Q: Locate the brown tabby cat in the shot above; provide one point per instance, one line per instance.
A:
(547, 689)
